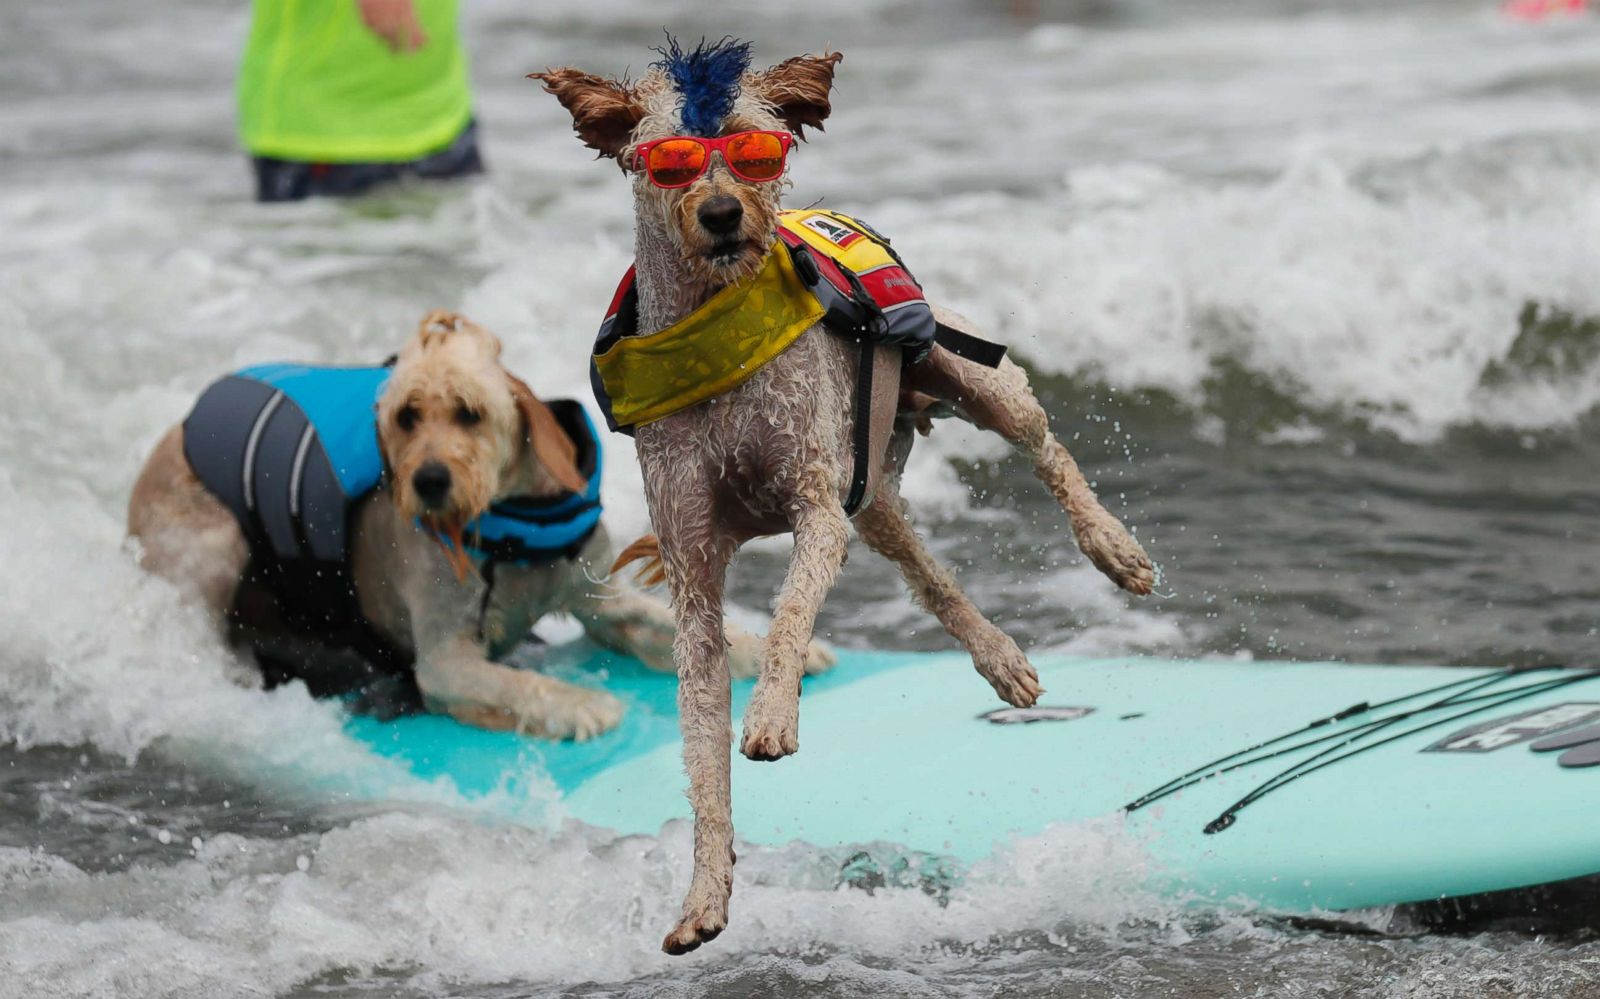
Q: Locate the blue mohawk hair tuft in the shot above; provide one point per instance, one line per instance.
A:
(708, 79)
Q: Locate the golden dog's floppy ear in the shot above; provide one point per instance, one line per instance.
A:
(550, 443)
(798, 90)
(604, 112)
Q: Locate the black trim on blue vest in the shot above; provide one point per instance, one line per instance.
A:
(522, 524)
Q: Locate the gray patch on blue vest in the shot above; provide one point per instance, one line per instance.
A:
(253, 448)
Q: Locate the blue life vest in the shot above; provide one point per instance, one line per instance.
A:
(291, 449)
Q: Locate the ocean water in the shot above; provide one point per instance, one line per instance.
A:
(1310, 289)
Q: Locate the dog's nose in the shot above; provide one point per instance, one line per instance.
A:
(721, 215)
(431, 483)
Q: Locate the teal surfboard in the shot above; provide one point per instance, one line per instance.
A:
(1296, 786)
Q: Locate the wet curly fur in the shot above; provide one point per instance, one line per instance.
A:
(774, 455)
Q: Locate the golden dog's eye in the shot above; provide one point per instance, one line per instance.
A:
(466, 416)
(406, 418)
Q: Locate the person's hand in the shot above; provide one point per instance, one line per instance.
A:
(394, 21)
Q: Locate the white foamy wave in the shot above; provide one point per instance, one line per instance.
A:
(447, 902)
(1113, 626)
(96, 652)
(1391, 296)
(683, 16)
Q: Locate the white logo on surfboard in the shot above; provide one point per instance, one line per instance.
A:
(1524, 727)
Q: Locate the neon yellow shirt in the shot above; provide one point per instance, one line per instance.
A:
(316, 85)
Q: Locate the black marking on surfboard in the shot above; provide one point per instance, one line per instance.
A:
(1568, 739)
(1037, 713)
(1525, 726)
(1578, 757)
(1476, 693)
(1581, 745)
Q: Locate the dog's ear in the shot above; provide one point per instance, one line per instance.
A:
(550, 443)
(604, 112)
(798, 90)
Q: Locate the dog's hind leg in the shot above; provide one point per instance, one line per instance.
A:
(999, 399)
(695, 555)
(639, 626)
(821, 539)
(186, 535)
(189, 538)
(885, 526)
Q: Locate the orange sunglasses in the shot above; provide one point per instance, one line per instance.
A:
(678, 160)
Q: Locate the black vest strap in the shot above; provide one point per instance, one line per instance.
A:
(974, 349)
(863, 428)
(872, 323)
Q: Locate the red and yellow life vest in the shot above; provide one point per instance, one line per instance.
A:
(825, 266)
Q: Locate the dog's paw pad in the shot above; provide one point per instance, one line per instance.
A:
(769, 745)
(689, 934)
(1139, 578)
(1020, 690)
(768, 740)
(771, 724)
(1116, 554)
(705, 916)
(1003, 664)
(578, 715)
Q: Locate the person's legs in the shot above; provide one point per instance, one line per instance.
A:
(290, 180)
(281, 180)
(460, 158)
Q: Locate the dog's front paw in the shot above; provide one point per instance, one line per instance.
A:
(999, 660)
(1115, 552)
(705, 915)
(575, 713)
(771, 723)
